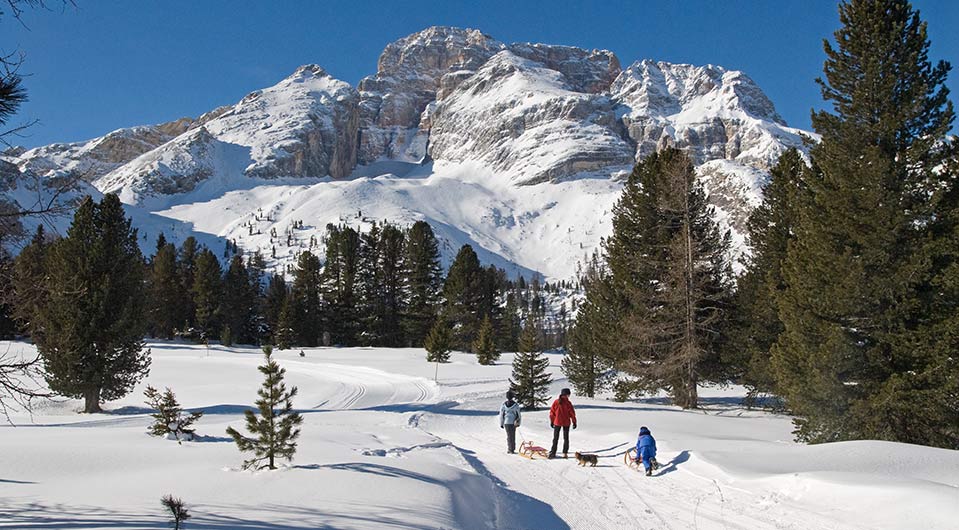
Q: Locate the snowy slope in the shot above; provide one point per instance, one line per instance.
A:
(517, 149)
(383, 446)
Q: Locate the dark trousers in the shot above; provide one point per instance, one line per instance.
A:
(556, 430)
(510, 437)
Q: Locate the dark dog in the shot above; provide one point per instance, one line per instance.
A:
(584, 459)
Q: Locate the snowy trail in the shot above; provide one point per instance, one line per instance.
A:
(384, 446)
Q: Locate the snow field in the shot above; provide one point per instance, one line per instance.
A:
(383, 446)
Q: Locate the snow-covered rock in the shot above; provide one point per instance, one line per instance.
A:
(516, 149)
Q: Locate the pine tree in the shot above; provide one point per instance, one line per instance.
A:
(439, 342)
(29, 280)
(390, 330)
(91, 322)
(206, 293)
(676, 275)
(585, 365)
(369, 287)
(463, 292)
(771, 226)
(186, 269)
(339, 283)
(422, 282)
(285, 335)
(306, 310)
(485, 345)
(165, 311)
(169, 417)
(861, 354)
(238, 311)
(177, 509)
(530, 381)
(275, 432)
(273, 301)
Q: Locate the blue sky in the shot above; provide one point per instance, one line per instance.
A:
(107, 64)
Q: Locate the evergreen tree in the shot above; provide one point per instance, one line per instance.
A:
(306, 311)
(369, 287)
(238, 311)
(390, 331)
(679, 288)
(165, 311)
(285, 335)
(585, 364)
(275, 432)
(206, 292)
(439, 342)
(8, 325)
(861, 354)
(91, 322)
(169, 417)
(339, 283)
(29, 281)
(463, 292)
(422, 282)
(530, 381)
(771, 226)
(485, 345)
(186, 268)
(273, 301)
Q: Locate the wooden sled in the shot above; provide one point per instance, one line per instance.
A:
(528, 450)
(629, 458)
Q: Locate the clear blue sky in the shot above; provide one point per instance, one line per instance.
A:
(107, 64)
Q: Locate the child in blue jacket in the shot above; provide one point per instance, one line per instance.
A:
(646, 450)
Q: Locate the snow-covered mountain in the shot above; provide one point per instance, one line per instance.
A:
(517, 149)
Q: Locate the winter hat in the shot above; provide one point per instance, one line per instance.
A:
(510, 395)
(564, 392)
(643, 430)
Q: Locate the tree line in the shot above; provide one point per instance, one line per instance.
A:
(848, 308)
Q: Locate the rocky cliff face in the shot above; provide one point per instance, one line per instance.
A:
(554, 126)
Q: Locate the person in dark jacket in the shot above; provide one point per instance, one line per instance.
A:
(646, 450)
(509, 418)
(561, 416)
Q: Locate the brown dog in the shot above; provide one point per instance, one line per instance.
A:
(584, 459)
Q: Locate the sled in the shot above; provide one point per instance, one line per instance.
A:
(629, 458)
(528, 450)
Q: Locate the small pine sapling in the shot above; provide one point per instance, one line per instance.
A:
(170, 417)
(439, 342)
(276, 430)
(178, 511)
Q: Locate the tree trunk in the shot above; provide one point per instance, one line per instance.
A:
(689, 378)
(91, 400)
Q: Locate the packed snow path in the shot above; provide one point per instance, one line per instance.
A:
(383, 446)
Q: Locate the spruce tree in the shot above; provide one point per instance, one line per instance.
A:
(770, 228)
(170, 417)
(530, 381)
(339, 283)
(29, 281)
(586, 365)
(165, 311)
(306, 310)
(206, 293)
(238, 311)
(463, 292)
(186, 269)
(422, 282)
(369, 287)
(91, 322)
(485, 344)
(676, 275)
(284, 335)
(861, 354)
(273, 301)
(274, 433)
(391, 268)
(439, 342)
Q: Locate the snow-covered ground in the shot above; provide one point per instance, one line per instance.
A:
(384, 446)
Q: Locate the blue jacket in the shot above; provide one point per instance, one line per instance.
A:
(646, 446)
(509, 413)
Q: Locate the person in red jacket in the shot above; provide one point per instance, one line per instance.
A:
(561, 416)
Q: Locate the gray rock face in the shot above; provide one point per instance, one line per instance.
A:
(521, 117)
(712, 112)
(412, 73)
(589, 71)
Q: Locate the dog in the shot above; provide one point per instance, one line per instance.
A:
(584, 459)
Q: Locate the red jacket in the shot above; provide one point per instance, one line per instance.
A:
(562, 412)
